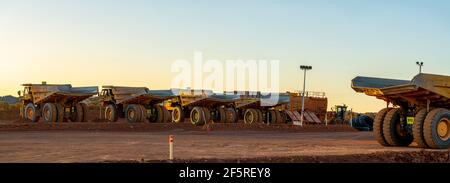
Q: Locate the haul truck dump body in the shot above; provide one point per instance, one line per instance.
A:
(136, 104)
(422, 114)
(55, 103)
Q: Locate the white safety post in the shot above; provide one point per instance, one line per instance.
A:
(171, 147)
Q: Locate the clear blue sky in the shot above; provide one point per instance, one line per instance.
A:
(55, 40)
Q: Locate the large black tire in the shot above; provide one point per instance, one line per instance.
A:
(207, 113)
(199, 116)
(231, 115)
(437, 129)
(49, 112)
(31, 113)
(393, 135)
(177, 114)
(111, 113)
(272, 117)
(60, 110)
(78, 114)
(222, 115)
(159, 118)
(260, 115)
(133, 113)
(419, 120)
(167, 115)
(143, 113)
(85, 109)
(250, 116)
(378, 126)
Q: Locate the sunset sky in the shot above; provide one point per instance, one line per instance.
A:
(134, 43)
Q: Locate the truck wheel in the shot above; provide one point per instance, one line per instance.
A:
(223, 115)
(84, 108)
(437, 128)
(272, 117)
(60, 110)
(207, 114)
(159, 114)
(419, 119)
(392, 131)
(177, 114)
(231, 115)
(167, 116)
(31, 113)
(260, 116)
(78, 114)
(111, 113)
(144, 113)
(250, 116)
(198, 116)
(378, 126)
(236, 115)
(50, 112)
(133, 113)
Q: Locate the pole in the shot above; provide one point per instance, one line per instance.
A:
(303, 98)
(171, 147)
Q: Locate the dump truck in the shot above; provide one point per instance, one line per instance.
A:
(55, 103)
(252, 108)
(420, 113)
(136, 104)
(202, 106)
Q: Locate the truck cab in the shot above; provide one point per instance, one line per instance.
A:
(107, 96)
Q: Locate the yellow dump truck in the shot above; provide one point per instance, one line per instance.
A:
(136, 104)
(55, 103)
(203, 106)
(420, 113)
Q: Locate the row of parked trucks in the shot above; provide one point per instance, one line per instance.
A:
(60, 103)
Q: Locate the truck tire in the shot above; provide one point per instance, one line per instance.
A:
(31, 113)
(378, 126)
(419, 120)
(49, 112)
(231, 115)
(260, 116)
(223, 115)
(133, 113)
(78, 114)
(198, 116)
(111, 113)
(250, 116)
(272, 117)
(177, 114)
(167, 116)
(159, 118)
(84, 108)
(393, 135)
(437, 128)
(60, 110)
(207, 113)
(143, 113)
